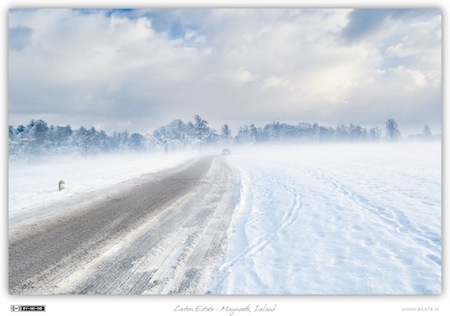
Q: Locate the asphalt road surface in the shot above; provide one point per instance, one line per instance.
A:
(162, 236)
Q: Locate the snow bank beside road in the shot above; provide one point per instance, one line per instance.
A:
(34, 185)
(337, 219)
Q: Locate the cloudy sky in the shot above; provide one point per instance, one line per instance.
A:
(139, 69)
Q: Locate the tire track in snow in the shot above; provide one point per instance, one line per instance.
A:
(179, 255)
(246, 207)
(161, 246)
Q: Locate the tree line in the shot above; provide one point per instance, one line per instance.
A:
(38, 138)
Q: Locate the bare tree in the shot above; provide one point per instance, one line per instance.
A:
(392, 132)
(427, 131)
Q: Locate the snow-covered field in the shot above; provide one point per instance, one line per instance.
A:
(310, 219)
(338, 219)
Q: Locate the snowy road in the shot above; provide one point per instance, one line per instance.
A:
(163, 236)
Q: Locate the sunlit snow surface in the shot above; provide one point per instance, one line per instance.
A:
(310, 219)
(338, 219)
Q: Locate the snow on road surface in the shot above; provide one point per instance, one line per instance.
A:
(160, 236)
(304, 219)
(337, 219)
(33, 184)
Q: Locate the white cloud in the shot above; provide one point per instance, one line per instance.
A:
(399, 50)
(274, 82)
(241, 76)
(226, 65)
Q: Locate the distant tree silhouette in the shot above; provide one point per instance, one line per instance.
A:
(427, 131)
(392, 132)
